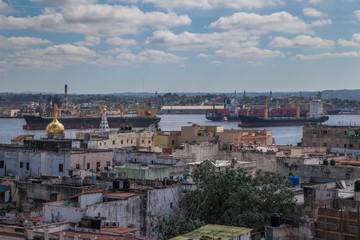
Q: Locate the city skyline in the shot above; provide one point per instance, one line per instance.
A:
(179, 46)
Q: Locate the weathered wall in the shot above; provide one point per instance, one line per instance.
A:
(296, 165)
(197, 152)
(24, 163)
(126, 212)
(58, 213)
(122, 156)
(266, 162)
(43, 191)
(92, 158)
(89, 199)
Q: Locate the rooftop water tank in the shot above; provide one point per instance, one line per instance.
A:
(275, 220)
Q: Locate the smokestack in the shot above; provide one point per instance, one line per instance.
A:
(66, 96)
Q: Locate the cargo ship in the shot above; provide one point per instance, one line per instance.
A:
(315, 115)
(145, 118)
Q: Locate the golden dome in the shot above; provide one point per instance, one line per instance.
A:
(55, 127)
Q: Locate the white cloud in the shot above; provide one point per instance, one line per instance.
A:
(279, 22)
(216, 62)
(256, 63)
(96, 20)
(20, 42)
(354, 42)
(124, 57)
(311, 12)
(328, 54)
(120, 41)
(89, 41)
(5, 8)
(198, 42)
(321, 22)
(56, 56)
(203, 55)
(248, 53)
(357, 14)
(302, 41)
(60, 3)
(215, 4)
(315, 1)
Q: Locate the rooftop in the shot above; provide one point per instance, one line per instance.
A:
(215, 232)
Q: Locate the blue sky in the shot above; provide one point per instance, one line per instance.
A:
(111, 46)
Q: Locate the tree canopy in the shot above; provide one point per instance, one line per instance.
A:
(231, 197)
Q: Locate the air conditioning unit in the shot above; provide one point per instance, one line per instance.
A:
(107, 224)
(115, 224)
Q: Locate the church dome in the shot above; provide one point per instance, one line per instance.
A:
(55, 127)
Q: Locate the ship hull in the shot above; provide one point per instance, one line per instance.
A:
(40, 123)
(250, 121)
(221, 119)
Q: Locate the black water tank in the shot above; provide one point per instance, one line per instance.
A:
(96, 223)
(116, 184)
(126, 184)
(275, 220)
(357, 186)
(326, 162)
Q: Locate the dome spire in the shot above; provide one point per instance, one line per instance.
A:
(55, 128)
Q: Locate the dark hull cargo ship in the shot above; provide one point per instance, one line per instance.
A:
(40, 123)
(251, 121)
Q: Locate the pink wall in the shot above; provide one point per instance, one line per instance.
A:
(92, 158)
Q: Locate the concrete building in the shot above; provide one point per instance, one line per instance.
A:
(49, 157)
(339, 137)
(167, 139)
(124, 209)
(118, 139)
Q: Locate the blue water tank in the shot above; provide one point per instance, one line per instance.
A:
(295, 180)
(94, 178)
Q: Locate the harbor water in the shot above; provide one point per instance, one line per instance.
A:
(289, 135)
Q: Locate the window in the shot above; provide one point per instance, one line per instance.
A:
(108, 163)
(347, 176)
(61, 168)
(100, 143)
(122, 141)
(143, 141)
(149, 141)
(127, 140)
(327, 174)
(113, 142)
(314, 131)
(325, 131)
(88, 165)
(351, 145)
(344, 132)
(21, 165)
(27, 166)
(77, 166)
(131, 141)
(172, 142)
(345, 145)
(171, 205)
(199, 134)
(1, 164)
(324, 144)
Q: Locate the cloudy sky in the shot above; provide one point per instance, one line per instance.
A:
(112, 46)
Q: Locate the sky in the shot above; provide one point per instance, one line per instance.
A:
(112, 46)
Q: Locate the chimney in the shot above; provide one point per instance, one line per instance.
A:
(66, 96)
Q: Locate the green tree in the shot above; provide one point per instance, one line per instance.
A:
(230, 197)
